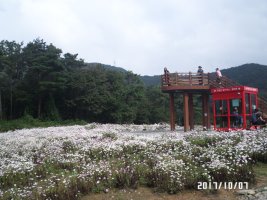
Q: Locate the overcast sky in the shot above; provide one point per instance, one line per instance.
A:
(144, 36)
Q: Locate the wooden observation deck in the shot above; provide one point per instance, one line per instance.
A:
(185, 81)
(189, 84)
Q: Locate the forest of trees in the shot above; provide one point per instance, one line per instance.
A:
(37, 80)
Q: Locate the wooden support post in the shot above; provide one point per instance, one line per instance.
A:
(205, 111)
(190, 78)
(208, 112)
(172, 112)
(186, 112)
(191, 112)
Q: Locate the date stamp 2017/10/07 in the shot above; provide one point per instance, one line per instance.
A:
(222, 185)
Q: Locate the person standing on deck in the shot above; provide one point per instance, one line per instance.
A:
(167, 76)
(200, 70)
(218, 76)
(200, 74)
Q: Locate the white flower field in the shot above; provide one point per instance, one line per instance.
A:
(69, 162)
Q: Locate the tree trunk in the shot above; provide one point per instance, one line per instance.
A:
(1, 110)
(39, 106)
(11, 102)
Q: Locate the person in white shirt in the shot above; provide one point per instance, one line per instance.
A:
(218, 75)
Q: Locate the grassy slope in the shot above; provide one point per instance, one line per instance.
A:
(29, 122)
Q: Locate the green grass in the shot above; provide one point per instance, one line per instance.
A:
(30, 122)
(261, 169)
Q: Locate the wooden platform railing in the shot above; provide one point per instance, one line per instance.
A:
(196, 79)
(184, 79)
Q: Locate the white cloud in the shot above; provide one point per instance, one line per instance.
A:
(144, 36)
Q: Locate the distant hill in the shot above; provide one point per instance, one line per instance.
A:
(254, 75)
(148, 80)
(108, 67)
(151, 80)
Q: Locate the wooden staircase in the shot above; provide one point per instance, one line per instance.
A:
(227, 82)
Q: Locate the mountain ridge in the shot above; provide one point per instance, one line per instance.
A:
(249, 74)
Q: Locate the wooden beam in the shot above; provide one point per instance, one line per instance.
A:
(172, 112)
(208, 112)
(191, 112)
(205, 111)
(185, 87)
(186, 112)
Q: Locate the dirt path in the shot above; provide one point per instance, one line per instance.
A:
(258, 191)
(148, 194)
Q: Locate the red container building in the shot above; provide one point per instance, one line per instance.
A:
(233, 107)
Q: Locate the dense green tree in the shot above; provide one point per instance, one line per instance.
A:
(71, 61)
(3, 80)
(158, 105)
(131, 97)
(36, 79)
(11, 68)
(44, 68)
(86, 93)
